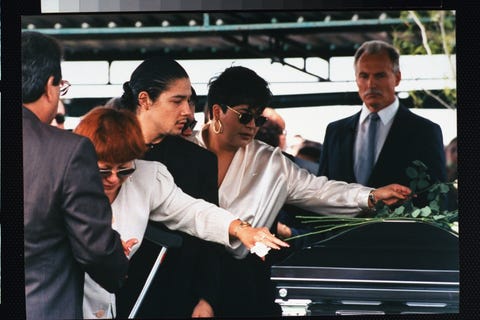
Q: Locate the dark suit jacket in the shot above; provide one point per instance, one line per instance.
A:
(67, 222)
(187, 273)
(411, 137)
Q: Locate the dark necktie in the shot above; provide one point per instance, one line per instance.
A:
(368, 158)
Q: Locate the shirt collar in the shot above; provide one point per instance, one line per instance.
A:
(386, 114)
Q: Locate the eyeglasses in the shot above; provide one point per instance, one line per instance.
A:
(64, 85)
(121, 173)
(246, 117)
(189, 124)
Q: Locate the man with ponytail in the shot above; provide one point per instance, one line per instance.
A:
(159, 92)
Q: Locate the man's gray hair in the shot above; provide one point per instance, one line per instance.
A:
(376, 47)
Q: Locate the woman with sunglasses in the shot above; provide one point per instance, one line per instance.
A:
(257, 180)
(140, 191)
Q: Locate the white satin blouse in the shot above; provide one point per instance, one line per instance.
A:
(260, 180)
(151, 194)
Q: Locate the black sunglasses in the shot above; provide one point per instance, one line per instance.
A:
(121, 174)
(246, 117)
(189, 124)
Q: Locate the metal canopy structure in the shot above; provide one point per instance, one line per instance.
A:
(218, 35)
(276, 35)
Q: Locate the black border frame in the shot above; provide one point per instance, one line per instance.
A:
(13, 300)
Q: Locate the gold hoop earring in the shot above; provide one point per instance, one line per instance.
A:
(220, 127)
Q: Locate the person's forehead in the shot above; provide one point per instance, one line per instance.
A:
(180, 82)
(179, 87)
(249, 108)
(370, 60)
(113, 164)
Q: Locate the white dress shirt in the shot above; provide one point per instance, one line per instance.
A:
(260, 180)
(151, 194)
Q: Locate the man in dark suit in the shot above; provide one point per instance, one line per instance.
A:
(67, 216)
(401, 136)
(189, 274)
(187, 281)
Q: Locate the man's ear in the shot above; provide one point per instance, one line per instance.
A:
(144, 100)
(398, 77)
(52, 93)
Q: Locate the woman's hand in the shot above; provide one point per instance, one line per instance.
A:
(392, 193)
(127, 245)
(249, 236)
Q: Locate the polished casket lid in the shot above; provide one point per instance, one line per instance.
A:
(387, 267)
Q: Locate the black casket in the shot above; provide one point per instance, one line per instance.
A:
(393, 267)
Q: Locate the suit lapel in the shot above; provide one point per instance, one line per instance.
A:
(395, 135)
(347, 144)
(394, 138)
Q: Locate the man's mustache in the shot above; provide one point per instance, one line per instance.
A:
(372, 91)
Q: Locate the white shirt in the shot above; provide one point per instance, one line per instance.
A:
(260, 180)
(386, 119)
(151, 194)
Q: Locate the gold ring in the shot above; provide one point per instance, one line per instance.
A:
(263, 237)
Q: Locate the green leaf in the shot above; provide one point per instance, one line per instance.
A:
(434, 206)
(399, 211)
(425, 211)
(412, 173)
(408, 206)
(413, 185)
(444, 188)
(383, 212)
(419, 164)
(438, 217)
(422, 184)
(415, 213)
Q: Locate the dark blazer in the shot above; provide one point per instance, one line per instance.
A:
(411, 137)
(67, 222)
(187, 273)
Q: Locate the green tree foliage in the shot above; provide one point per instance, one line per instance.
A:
(437, 30)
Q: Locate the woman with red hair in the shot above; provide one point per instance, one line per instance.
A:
(140, 190)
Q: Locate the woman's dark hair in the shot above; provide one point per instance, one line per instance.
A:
(154, 76)
(115, 103)
(238, 85)
(269, 133)
(41, 57)
(193, 99)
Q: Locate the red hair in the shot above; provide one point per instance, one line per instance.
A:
(116, 134)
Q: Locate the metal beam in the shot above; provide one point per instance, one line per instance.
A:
(304, 69)
(259, 27)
